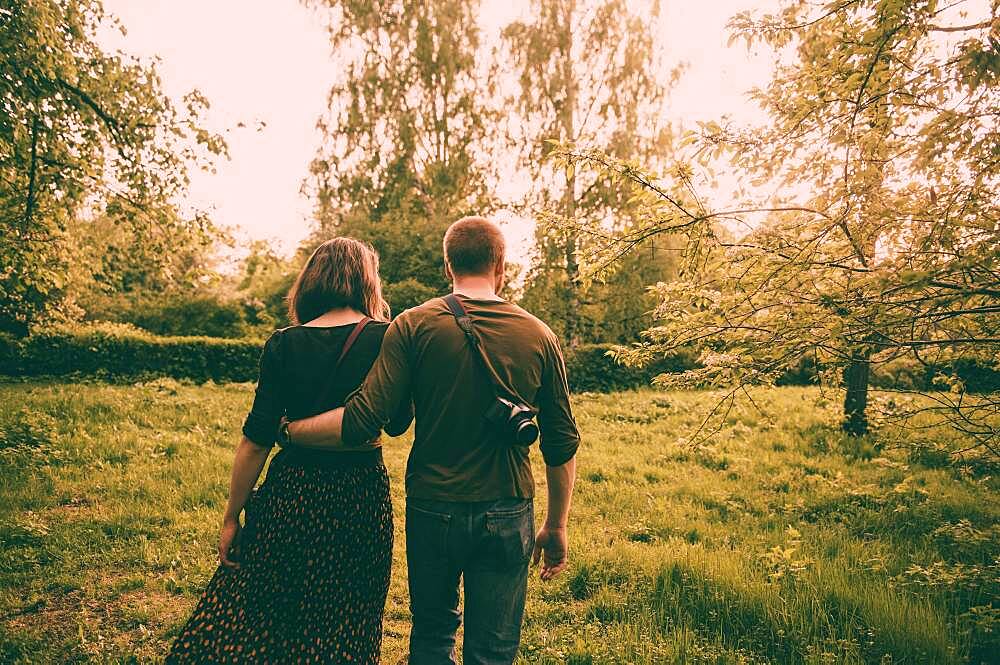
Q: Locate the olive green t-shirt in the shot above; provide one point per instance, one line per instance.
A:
(426, 357)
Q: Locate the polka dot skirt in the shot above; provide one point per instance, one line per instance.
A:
(311, 588)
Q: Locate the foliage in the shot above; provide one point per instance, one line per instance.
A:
(892, 255)
(591, 368)
(611, 310)
(673, 551)
(80, 127)
(207, 315)
(264, 285)
(116, 263)
(588, 72)
(407, 134)
(407, 293)
(122, 352)
(182, 294)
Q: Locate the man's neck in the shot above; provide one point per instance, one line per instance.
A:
(479, 288)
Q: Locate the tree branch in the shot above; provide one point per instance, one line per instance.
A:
(960, 28)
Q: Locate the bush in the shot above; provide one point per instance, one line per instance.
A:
(118, 352)
(906, 373)
(591, 369)
(187, 315)
(123, 352)
(406, 294)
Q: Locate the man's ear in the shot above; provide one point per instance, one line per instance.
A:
(447, 273)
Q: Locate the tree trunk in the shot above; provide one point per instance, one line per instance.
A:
(568, 121)
(856, 376)
(572, 331)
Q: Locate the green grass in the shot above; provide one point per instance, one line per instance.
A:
(778, 542)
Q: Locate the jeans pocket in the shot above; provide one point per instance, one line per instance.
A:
(511, 534)
(426, 534)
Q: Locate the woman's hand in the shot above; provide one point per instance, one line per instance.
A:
(229, 545)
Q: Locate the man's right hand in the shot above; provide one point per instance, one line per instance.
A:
(552, 546)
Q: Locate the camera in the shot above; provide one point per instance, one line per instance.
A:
(515, 420)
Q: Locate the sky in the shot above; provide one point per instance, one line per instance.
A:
(268, 64)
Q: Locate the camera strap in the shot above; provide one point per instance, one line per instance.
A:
(465, 323)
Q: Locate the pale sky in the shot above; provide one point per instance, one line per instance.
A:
(269, 61)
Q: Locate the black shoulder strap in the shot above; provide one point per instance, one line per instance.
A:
(329, 397)
(353, 337)
(465, 323)
(462, 317)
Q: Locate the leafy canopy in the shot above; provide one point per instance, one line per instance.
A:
(884, 239)
(79, 128)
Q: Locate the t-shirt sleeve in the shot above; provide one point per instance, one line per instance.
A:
(384, 395)
(560, 438)
(400, 422)
(261, 424)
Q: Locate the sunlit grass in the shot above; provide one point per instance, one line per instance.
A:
(777, 542)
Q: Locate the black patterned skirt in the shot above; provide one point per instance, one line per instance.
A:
(315, 558)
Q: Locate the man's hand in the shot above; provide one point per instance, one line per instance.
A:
(229, 546)
(553, 545)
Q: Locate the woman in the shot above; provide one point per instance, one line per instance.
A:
(307, 578)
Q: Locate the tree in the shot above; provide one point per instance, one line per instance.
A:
(122, 270)
(111, 257)
(79, 127)
(405, 148)
(893, 129)
(612, 309)
(588, 74)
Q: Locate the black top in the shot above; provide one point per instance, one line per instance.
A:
(297, 378)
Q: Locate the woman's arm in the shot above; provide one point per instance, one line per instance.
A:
(249, 461)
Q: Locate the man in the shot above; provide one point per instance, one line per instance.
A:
(469, 510)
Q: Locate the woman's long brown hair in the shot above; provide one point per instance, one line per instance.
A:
(342, 272)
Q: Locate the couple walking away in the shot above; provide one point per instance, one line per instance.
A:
(304, 580)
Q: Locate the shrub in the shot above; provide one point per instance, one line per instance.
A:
(117, 352)
(123, 352)
(197, 315)
(906, 373)
(591, 369)
(407, 293)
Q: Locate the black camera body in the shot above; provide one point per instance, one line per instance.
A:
(514, 422)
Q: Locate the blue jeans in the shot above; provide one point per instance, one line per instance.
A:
(487, 544)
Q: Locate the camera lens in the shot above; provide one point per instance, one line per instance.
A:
(526, 432)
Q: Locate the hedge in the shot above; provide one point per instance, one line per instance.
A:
(119, 352)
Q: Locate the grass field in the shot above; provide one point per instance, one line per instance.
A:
(779, 542)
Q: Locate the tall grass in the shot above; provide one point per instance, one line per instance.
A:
(779, 542)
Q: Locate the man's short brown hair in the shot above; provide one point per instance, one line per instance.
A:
(474, 246)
